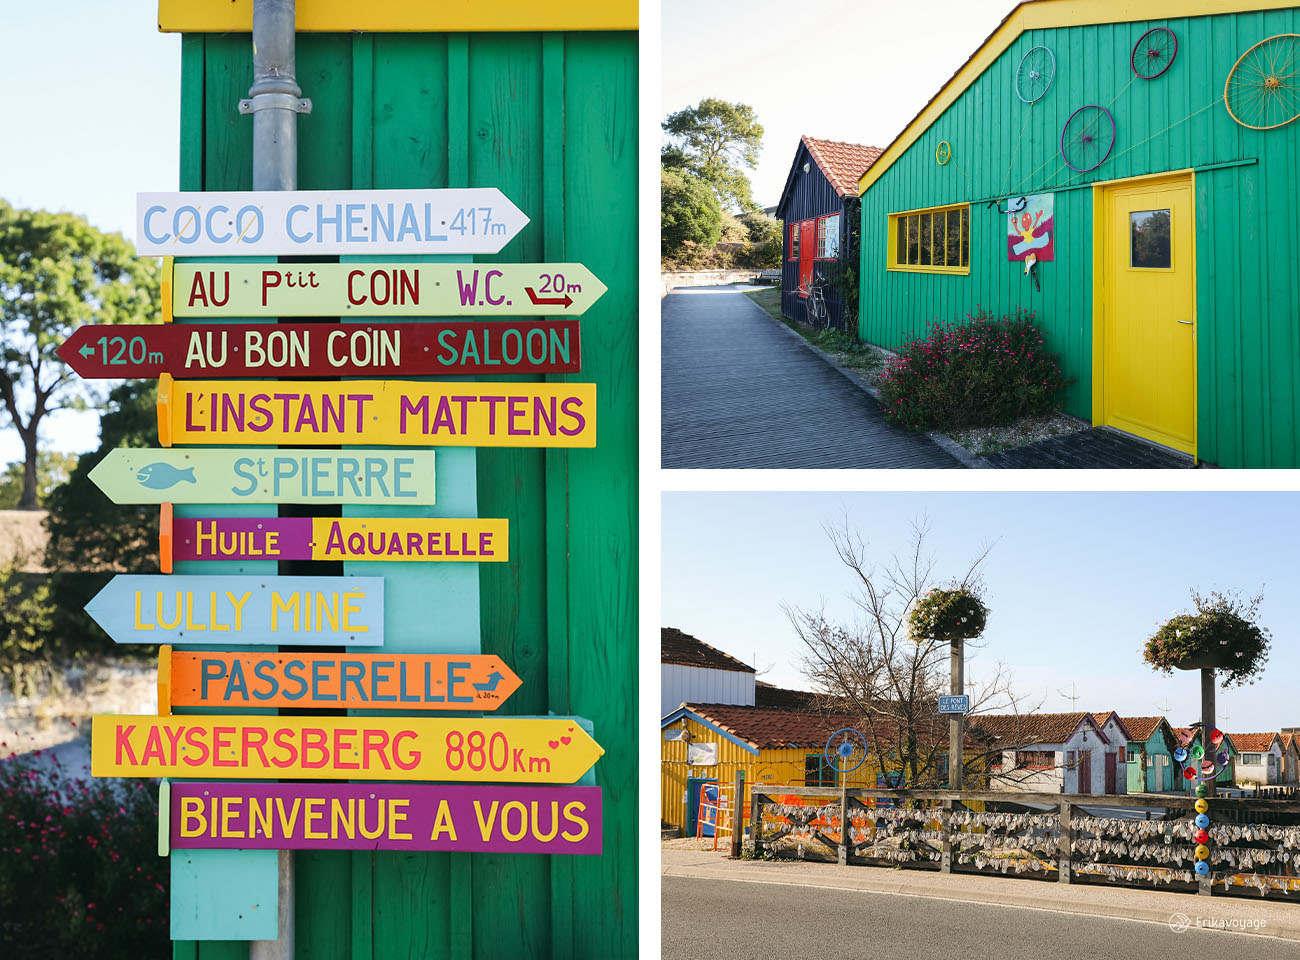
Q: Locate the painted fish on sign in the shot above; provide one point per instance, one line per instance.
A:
(326, 611)
(395, 412)
(146, 475)
(409, 681)
(333, 538)
(383, 816)
(308, 222)
(501, 750)
(435, 348)
(213, 291)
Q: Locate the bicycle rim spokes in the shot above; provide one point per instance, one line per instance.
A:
(1087, 138)
(1263, 88)
(846, 750)
(1154, 52)
(1035, 74)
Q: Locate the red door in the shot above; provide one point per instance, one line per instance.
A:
(807, 253)
(1110, 772)
(1085, 771)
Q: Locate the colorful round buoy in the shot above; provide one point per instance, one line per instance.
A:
(1223, 757)
(1202, 868)
(1180, 754)
(1202, 805)
(1198, 751)
(1202, 852)
(1201, 789)
(1216, 736)
(1202, 836)
(1201, 821)
(1189, 773)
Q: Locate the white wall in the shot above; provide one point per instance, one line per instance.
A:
(1260, 772)
(682, 684)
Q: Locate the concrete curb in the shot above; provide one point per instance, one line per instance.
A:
(1281, 920)
(943, 441)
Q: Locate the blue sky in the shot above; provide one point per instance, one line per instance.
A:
(1076, 582)
(839, 69)
(92, 117)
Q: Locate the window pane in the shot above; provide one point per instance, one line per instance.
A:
(954, 238)
(965, 236)
(794, 241)
(900, 241)
(833, 236)
(939, 245)
(913, 240)
(1149, 230)
(925, 228)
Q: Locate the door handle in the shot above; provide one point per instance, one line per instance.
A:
(1188, 322)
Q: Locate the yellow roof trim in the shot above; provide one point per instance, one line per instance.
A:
(419, 16)
(1043, 15)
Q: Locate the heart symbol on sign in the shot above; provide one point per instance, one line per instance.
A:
(566, 740)
(553, 743)
(571, 729)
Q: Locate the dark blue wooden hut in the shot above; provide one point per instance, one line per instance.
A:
(816, 221)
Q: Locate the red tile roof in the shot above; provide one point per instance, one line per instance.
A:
(1024, 730)
(1103, 718)
(1287, 740)
(1253, 742)
(1141, 728)
(769, 728)
(683, 649)
(767, 695)
(843, 163)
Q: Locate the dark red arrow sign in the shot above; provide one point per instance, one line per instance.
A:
(566, 300)
(222, 350)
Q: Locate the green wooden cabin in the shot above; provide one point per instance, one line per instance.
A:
(1151, 764)
(1145, 155)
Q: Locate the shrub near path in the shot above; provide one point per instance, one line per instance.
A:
(980, 371)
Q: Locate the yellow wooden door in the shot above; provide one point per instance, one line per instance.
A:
(1149, 334)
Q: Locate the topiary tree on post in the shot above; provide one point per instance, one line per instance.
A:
(953, 615)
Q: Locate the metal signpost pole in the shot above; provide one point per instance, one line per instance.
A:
(275, 102)
(956, 723)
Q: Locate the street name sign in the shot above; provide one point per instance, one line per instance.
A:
(954, 703)
(225, 290)
(333, 538)
(389, 412)
(494, 750)
(321, 611)
(150, 475)
(382, 816)
(314, 222)
(435, 348)
(408, 681)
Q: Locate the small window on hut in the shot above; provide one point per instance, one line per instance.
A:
(794, 241)
(930, 241)
(817, 772)
(828, 237)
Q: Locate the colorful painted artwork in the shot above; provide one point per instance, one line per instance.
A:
(1029, 229)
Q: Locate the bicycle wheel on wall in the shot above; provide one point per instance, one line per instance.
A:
(1262, 90)
(1087, 138)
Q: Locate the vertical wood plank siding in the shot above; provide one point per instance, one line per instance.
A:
(812, 196)
(1247, 218)
(551, 120)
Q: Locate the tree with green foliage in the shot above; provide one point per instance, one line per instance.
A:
(762, 241)
(716, 141)
(689, 213)
(56, 273)
(52, 470)
(88, 531)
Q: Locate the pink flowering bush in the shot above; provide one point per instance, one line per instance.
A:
(980, 371)
(80, 874)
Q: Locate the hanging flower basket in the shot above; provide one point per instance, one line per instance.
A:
(1220, 635)
(954, 614)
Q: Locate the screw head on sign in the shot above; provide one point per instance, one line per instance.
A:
(1202, 852)
(1202, 868)
(1202, 805)
(1201, 821)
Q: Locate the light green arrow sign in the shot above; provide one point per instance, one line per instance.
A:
(243, 475)
(224, 289)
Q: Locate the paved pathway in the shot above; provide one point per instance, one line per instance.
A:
(775, 921)
(1091, 449)
(740, 391)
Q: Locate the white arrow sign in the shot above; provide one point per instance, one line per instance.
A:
(309, 222)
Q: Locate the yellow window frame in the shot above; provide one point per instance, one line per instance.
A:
(927, 215)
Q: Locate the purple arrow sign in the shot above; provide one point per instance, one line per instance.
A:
(383, 816)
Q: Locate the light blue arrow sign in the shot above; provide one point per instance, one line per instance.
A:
(954, 703)
(321, 611)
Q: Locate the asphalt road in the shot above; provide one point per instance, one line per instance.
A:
(764, 921)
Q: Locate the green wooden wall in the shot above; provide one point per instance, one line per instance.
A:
(1247, 213)
(550, 119)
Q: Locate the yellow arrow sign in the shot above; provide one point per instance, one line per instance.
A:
(386, 412)
(504, 750)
